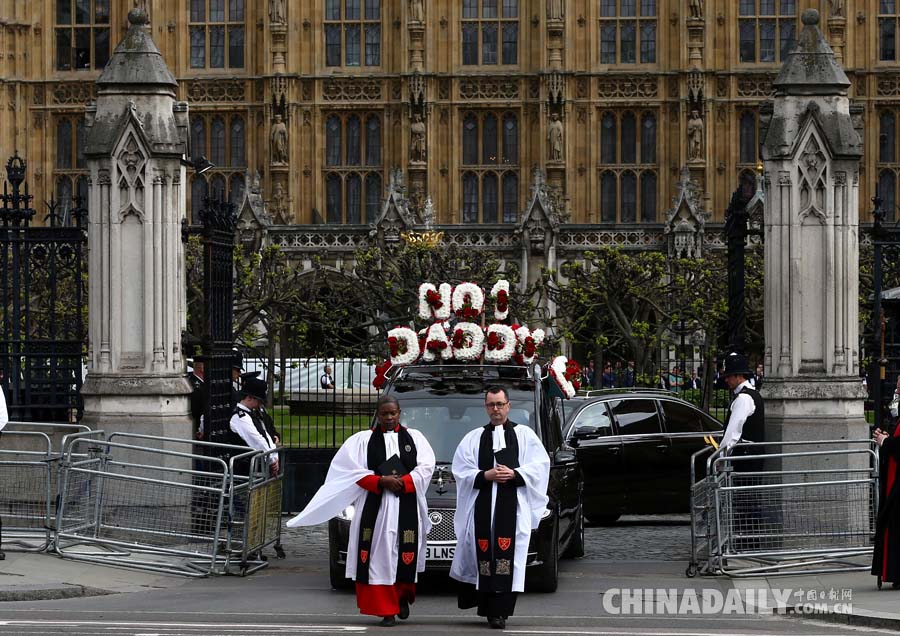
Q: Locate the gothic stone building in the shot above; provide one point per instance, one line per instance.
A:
(538, 128)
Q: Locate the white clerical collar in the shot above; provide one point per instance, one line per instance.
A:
(499, 438)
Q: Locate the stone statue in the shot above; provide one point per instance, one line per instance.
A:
(695, 135)
(278, 202)
(417, 139)
(276, 11)
(696, 7)
(555, 10)
(279, 142)
(837, 8)
(416, 11)
(555, 138)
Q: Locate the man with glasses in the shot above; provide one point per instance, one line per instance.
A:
(501, 472)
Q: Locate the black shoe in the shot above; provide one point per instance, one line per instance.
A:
(895, 586)
(2, 555)
(279, 551)
(496, 622)
(387, 621)
(404, 610)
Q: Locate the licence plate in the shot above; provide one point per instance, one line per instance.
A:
(439, 552)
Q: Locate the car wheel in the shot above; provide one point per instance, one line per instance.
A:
(336, 571)
(575, 549)
(545, 577)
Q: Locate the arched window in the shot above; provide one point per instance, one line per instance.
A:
(887, 190)
(238, 144)
(351, 26)
(470, 198)
(629, 139)
(373, 141)
(608, 197)
(64, 144)
(236, 189)
(766, 29)
(80, 139)
(217, 33)
(333, 141)
(489, 198)
(198, 137)
(81, 34)
(648, 139)
(748, 148)
(217, 142)
(489, 140)
(620, 23)
(887, 137)
(334, 205)
(81, 189)
(629, 197)
(747, 183)
(480, 29)
(608, 138)
(217, 187)
(373, 197)
(648, 197)
(354, 199)
(198, 194)
(470, 140)
(354, 135)
(510, 197)
(510, 139)
(63, 194)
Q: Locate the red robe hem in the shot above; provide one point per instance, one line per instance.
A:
(383, 600)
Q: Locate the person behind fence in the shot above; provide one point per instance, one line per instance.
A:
(746, 414)
(502, 472)
(4, 419)
(886, 553)
(327, 380)
(383, 473)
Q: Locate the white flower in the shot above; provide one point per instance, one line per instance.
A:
(429, 313)
(472, 341)
(505, 352)
(522, 334)
(408, 340)
(503, 285)
(475, 296)
(558, 371)
(436, 333)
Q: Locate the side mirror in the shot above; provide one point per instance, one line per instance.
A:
(586, 432)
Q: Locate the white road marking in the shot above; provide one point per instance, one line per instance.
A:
(225, 627)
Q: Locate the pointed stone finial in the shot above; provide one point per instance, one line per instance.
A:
(138, 17)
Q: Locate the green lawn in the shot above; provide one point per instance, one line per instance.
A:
(317, 431)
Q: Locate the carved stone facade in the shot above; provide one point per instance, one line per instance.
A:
(557, 69)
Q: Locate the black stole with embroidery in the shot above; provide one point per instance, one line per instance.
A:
(495, 553)
(408, 521)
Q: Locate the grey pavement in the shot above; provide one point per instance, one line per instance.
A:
(293, 596)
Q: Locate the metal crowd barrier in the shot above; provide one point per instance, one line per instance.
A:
(30, 455)
(161, 504)
(786, 508)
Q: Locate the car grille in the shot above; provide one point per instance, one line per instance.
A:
(441, 524)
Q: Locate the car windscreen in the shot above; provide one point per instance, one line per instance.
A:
(445, 419)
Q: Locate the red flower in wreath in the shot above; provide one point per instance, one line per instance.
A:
(436, 345)
(502, 300)
(459, 338)
(573, 374)
(494, 342)
(381, 373)
(433, 298)
(394, 346)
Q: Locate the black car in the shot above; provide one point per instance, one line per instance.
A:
(634, 448)
(445, 402)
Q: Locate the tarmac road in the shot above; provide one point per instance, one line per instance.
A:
(293, 597)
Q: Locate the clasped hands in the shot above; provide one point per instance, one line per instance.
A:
(391, 482)
(500, 473)
(879, 436)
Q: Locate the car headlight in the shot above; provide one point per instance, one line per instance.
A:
(547, 512)
(347, 513)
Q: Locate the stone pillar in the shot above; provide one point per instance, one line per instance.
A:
(811, 156)
(136, 139)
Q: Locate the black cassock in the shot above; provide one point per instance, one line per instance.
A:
(886, 556)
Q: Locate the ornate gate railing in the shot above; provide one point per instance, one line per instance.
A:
(43, 283)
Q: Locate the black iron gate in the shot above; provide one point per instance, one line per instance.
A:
(885, 317)
(42, 314)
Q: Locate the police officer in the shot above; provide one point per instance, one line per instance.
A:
(746, 415)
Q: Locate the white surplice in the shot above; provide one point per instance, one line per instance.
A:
(341, 490)
(534, 467)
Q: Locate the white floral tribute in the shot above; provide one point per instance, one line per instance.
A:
(468, 301)
(403, 344)
(528, 343)
(500, 345)
(468, 341)
(500, 294)
(558, 371)
(434, 302)
(437, 345)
